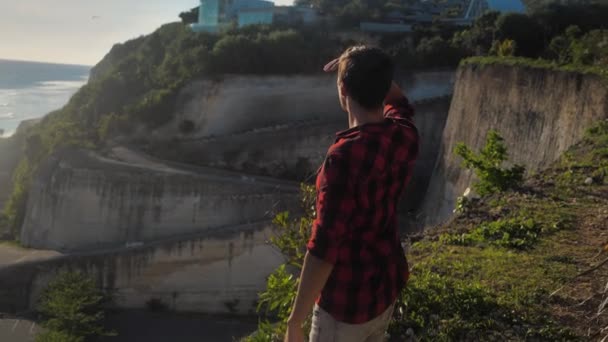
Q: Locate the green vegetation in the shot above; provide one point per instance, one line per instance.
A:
(290, 238)
(506, 268)
(71, 307)
(488, 166)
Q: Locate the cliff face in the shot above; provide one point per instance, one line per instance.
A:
(296, 150)
(81, 201)
(540, 114)
(212, 272)
(237, 104)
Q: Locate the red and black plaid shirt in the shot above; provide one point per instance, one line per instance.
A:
(358, 188)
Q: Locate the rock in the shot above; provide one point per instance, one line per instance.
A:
(470, 195)
(589, 181)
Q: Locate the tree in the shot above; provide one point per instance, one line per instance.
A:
(522, 29)
(436, 51)
(478, 39)
(189, 17)
(71, 305)
(1, 132)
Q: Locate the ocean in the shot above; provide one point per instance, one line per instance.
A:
(30, 90)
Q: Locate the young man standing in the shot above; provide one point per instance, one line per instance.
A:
(355, 266)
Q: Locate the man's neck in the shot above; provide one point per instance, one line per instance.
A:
(359, 116)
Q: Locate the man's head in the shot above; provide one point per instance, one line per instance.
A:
(365, 75)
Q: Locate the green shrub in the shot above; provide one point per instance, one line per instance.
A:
(280, 293)
(505, 48)
(72, 308)
(487, 165)
(441, 309)
(58, 336)
(512, 233)
(281, 287)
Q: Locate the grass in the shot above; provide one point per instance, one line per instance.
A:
(536, 64)
(491, 272)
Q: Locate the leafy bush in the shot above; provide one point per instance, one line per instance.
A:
(280, 293)
(58, 336)
(512, 233)
(441, 309)
(72, 309)
(505, 48)
(487, 165)
(281, 287)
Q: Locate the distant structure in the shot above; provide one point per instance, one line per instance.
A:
(452, 12)
(477, 8)
(215, 14)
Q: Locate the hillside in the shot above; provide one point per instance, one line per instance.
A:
(540, 108)
(524, 265)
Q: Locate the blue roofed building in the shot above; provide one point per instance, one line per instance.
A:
(215, 14)
(208, 16)
(477, 8)
(506, 6)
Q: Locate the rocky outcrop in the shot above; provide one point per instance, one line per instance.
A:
(539, 112)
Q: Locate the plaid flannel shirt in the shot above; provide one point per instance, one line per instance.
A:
(358, 188)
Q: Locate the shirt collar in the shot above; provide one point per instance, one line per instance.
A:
(368, 127)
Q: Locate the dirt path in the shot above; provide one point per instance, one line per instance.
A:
(11, 254)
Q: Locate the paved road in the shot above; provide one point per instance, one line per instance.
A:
(166, 327)
(18, 330)
(134, 326)
(10, 254)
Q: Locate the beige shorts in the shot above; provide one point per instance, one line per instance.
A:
(326, 329)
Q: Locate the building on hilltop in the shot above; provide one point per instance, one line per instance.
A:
(476, 8)
(215, 14)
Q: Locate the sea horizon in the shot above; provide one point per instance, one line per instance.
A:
(30, 89)
(2, 59)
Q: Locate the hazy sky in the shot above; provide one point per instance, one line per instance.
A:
(80, 31)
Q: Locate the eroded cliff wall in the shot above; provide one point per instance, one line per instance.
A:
(219, 271)
(296, 150)
(80, 200)
(236, 104)
(540, 113)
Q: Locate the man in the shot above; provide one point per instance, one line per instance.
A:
(355, 260)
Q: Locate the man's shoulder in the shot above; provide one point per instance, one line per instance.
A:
(346, 146)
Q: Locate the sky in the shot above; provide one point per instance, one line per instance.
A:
(80, 31)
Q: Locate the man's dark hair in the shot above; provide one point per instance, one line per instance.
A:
(367, 75)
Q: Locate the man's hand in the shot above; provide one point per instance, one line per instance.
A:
(295, 333)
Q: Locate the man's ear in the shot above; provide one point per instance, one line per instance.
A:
(343, 90)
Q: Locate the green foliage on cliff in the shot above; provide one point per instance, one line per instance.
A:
(290, 239)
(71, 307)
(487, 165)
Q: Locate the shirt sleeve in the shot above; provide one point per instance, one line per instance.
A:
(398, 108)
(335, 206)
